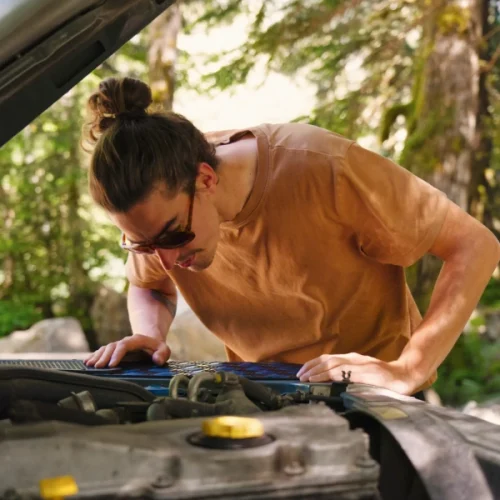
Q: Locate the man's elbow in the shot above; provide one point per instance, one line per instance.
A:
(496, 246)
(488, 247)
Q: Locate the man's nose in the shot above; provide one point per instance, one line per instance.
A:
(167, 257)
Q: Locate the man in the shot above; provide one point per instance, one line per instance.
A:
(288, 241)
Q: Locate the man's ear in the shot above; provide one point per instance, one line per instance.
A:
(207, 179)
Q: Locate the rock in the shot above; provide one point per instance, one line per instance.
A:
(190, 340)
(489, 411)
(109, 316)
(49, 335)
(492, 323)
(432, 397)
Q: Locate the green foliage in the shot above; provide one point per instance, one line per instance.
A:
(491, 296)
(51, 245)
(213, 13)
(342, 116)
(419, 153)
(18, 315)
(454, 19)
(493, 175)
(390, 116)
(327, 41)
(471, 371)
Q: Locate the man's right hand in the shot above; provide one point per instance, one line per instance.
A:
(111, 354)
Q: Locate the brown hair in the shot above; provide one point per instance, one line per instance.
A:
(135, 150)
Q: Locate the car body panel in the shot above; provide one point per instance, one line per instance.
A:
(49, 46)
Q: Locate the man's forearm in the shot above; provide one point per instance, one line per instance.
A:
(151, 312)
(458, 289)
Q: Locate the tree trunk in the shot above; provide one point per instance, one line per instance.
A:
(450, 95)
(162, 55)
(447, 134)
(482, 193)
(81, 288)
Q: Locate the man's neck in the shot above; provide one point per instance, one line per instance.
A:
(236, 170)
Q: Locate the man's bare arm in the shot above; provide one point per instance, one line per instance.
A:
(167, 301)
(470, 253)
(151, 311)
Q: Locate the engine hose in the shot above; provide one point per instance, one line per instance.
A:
(196, 382)
(262, 394)
(178, 381)
(167, 408)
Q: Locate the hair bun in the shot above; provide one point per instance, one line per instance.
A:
(116, 96)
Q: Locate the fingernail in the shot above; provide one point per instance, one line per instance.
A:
(158, 359)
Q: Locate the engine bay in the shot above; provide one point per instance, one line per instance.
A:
(210, 434)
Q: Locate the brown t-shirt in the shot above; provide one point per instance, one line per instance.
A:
(313, 263)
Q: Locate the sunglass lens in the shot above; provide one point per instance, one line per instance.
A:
(176, 240)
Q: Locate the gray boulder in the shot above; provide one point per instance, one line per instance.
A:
(489, 410)
(48, 335)
(190, 340)
(492, 320)
(109, 316)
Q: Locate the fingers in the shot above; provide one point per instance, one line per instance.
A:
(334, 369)
(330, 366)
(337, 369)
(91, 360)
(133, 343)
(124, 346)
(334, 374)
(105, 356)
(320, 366)
(310, 364)
(113, 353)
(161, 355)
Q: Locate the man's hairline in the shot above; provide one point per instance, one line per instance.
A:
(162, 188)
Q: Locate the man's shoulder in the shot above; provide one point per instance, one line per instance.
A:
(306, 137)
(292, 136)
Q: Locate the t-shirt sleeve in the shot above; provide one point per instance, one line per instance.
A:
(395, 215)
(144, 271)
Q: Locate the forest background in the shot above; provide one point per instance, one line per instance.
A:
(415, 80)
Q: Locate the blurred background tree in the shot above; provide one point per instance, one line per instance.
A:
(423, 74)
(53, 254)
(416, 80)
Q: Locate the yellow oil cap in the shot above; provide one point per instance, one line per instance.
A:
(57, 488)
(233, 427)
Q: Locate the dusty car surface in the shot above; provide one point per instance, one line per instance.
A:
(199, 430)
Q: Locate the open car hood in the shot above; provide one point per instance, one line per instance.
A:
(48, 46)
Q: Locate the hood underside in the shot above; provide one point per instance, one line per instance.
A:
(48, 46)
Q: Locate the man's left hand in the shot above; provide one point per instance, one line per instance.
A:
(364, 370)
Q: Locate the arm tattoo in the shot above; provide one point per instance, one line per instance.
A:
(163, 299)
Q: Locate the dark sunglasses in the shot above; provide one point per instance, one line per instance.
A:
(169, 240)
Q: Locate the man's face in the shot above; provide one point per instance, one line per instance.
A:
(152, 219)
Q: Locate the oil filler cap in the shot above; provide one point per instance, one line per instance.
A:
(233, 427)
(231, 432)
(58, 488)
